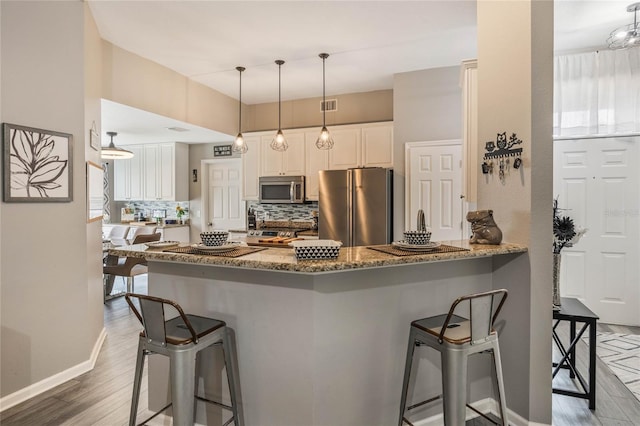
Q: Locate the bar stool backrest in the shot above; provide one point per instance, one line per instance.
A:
(152, 317)
(146, 238)
(481, 308)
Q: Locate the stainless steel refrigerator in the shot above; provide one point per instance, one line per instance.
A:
(356, 206)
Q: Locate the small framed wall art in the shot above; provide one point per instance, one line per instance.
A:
(38, 165)
(94, 138)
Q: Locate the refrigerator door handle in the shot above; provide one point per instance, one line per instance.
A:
(350, 209)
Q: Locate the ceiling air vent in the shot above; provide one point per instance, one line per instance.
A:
(329, 105)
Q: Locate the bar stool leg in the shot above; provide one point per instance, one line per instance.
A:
(233, 375)
(183, 367)
(454, 386)
(407, 373)
(495, 353)
(137, 379)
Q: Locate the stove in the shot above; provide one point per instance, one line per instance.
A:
(274, 232)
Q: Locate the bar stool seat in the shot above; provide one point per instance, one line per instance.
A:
(456, 337)
(180, 339)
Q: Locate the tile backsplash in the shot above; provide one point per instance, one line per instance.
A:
(280, 212)
(147, 207)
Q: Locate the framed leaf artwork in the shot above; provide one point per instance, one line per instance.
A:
(38, 165)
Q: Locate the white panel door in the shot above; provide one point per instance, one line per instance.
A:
(434, 184)
(597, 182)
(225, 207)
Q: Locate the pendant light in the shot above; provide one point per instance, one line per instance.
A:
(112, 152)
(239, 145)
(279, 143)
(324, 141)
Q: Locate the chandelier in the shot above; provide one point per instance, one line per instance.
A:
(627, 35)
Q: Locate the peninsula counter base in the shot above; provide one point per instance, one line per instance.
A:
(321, 348)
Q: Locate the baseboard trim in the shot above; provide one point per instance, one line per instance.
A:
(55, 380)
(487, 405)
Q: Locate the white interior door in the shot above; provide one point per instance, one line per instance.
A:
(224, 207)
(434, 184)
(597, 181)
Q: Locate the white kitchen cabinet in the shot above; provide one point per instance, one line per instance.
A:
(355, 145)
(157, 172)
(127, 176)
(166, 172)
(347, 148)
(364, 145)
(283, 163)
(251, 167)
(315, 160)
(377, 145)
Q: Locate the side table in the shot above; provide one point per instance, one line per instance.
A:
(574, 311)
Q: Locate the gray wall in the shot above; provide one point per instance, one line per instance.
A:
(427, 106)
(51, 304)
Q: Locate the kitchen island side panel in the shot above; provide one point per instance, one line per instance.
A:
(319, 349)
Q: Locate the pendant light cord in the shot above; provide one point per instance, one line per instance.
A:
(240, 106)
(324, 102)
(279, 100)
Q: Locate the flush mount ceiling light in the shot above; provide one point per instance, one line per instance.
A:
(279, 143)
(324, 141)
(112, 152)
(627, 35)
(239, 145)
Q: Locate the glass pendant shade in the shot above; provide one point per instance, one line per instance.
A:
(324, 141)
(112, 152)
(239, 145)
(628, 35)
(279, 143)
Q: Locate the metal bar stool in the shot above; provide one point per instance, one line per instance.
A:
(456, 338)
(180, 339)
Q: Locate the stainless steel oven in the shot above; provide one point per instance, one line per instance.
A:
(282, 189)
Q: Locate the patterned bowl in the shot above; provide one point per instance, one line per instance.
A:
(316, 249)
(417, 238)
(214, 238)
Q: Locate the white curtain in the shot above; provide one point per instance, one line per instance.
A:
(597, 93)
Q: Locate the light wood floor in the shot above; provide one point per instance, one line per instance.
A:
(103, 395)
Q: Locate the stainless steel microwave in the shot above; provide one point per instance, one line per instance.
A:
(282, 189)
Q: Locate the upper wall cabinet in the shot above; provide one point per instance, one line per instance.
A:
(355, 145)
(283, 163)
(127, 176)
(163, 173)
(365, 145)
(251, 167)
(315, 160)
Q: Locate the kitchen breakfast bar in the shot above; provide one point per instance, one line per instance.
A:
(324, 342)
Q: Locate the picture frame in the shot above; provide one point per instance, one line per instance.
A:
(38, 165)
(95, 195)
(94, 139)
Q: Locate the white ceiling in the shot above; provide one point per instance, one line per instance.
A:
(368, 41)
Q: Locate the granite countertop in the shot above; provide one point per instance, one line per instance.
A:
(350, 258)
